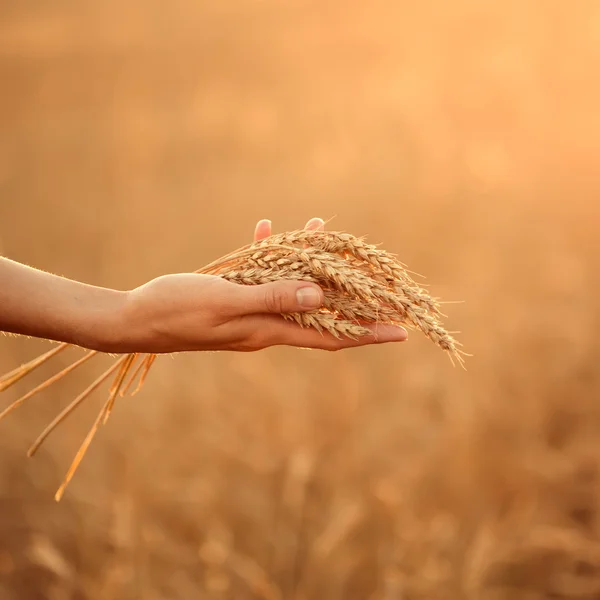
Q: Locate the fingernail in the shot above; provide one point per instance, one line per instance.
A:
(308, 297)
(391, 333)
(401, 333)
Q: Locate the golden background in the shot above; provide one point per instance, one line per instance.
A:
(141, 138)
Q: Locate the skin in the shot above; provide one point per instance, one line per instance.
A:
(172, 313)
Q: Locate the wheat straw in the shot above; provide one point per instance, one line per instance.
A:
(362, 285)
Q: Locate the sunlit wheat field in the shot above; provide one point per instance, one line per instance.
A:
(145, 138)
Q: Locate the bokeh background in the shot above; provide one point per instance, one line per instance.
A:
(142, 138)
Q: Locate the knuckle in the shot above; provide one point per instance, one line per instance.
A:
(247, 346)
(256, 340)
(276, 300)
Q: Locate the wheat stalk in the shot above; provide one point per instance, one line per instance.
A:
(362, 285)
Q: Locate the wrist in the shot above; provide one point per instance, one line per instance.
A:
(126, 325)
(103, 326)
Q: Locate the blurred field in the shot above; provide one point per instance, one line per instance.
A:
(143, 138)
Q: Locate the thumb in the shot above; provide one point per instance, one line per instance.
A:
(279, 297)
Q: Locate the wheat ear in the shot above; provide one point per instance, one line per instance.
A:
(362, 283)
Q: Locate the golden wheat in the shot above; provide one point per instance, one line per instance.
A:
(362, 285)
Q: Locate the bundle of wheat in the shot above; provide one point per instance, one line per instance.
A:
(362, 284)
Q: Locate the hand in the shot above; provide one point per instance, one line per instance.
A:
(188, 312)
(263, 228)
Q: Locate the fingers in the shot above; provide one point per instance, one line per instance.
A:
(263, 331)
(315, 224)
(262, 230)
(310, 338)
(278, 297)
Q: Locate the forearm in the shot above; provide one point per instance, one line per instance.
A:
(43, 305)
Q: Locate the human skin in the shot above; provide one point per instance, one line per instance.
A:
(172, 313)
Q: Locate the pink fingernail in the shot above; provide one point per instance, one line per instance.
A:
(308, 297)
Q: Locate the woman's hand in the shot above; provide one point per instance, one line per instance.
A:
(263, 228)
(188, 312)
(173, 313)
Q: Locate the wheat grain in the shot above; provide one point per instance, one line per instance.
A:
(362, 285)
